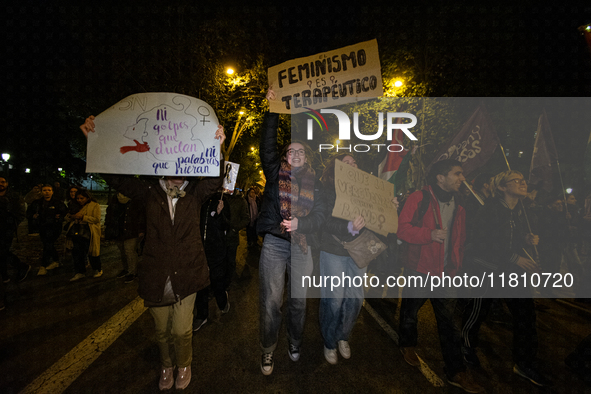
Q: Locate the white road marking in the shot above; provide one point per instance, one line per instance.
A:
(424, 368)
(67, 369)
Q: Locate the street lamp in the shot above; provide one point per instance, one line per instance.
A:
(398, 83)
(229, 71)
(5, 156)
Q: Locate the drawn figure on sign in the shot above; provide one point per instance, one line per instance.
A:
(166, 131)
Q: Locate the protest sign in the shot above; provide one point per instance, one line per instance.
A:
(360, 193)
(230, 175)
(327, 79)
(155, 134)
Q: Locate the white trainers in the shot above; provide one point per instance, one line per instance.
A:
(42, 271)
(344, 349)
(97, 274)
(331, 355)
(53, 265)
(267, 363)
(77, 277)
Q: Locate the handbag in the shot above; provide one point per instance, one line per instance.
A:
(79, 231)
(363, 249)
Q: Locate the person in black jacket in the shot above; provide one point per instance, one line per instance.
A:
(125, 223)
(12, 212)
(50, 213)
(501, 242)
(215, 222)
(293, 207)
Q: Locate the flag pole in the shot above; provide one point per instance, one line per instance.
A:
(563, 191)
(474, 193)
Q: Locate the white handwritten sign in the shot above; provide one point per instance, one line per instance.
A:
(155, 134)
(360, 193)
(327, 79)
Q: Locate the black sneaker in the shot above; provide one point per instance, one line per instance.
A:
(129, 278)
(532, 375)
(470, 356)
(294, 352)
(122, 274)
(23, 274)
(267, 364)
(198, 323)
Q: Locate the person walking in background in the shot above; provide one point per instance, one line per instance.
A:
(12, 212)
(239, 219)
(71, 202)
(293, 208)
(85, 231)
(254, 205)
(125, 223)
(49, 212)
(215, 222)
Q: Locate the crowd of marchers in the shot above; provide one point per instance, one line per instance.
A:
(187, 234)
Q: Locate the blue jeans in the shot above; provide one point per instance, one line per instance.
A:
(443, 301)
(277, 257)
(340, 306)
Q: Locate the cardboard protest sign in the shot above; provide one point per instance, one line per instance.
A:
(155, 134)
(360, 193)
(230, 175)
(327, 79)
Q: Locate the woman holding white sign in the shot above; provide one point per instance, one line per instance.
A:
(292, 208)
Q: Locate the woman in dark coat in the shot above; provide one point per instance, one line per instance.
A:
(173, 267)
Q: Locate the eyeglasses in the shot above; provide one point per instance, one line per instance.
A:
(517, 181)
(294, 152)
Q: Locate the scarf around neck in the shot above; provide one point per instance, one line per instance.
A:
(296, 197)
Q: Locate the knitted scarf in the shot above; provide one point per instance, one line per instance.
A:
(296, 197)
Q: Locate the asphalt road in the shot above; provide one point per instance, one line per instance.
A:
(58, 336)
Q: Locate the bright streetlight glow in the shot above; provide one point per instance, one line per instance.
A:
(59, 169)
(569, 190)
(229, 71)
(398, 83)
(5, 156)
(27, 170)
(241, 112)
(252, 148)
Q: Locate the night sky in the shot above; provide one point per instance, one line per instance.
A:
(67, 60)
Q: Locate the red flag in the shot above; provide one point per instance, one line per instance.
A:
(544, 155)
(474, 144)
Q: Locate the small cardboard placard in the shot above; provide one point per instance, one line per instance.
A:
(360, 193)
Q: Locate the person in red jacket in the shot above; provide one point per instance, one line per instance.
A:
(435, 238)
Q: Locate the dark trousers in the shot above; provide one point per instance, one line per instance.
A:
(49, 252)
(525, 336)
(7, 257)
(79, 255)
(230, 263)
(251, 234)
(217, 278)
(443, 302)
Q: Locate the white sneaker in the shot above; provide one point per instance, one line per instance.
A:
(42, 271)
(97, 274)
(267, 363)
(344, 349)
(77, 277)
(331, 355)
(53, 265)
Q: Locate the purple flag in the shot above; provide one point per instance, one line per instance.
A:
(544, 155)
(474, 144)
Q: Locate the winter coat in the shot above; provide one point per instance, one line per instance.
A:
(214, 226)
(12, 212)
(269, 221)
(425, 255)
(92, 217)
(172, 250)
(50, 219)
(239, 218)
(124, 221)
